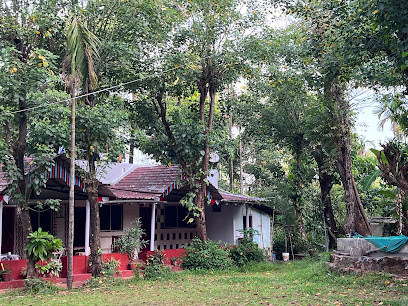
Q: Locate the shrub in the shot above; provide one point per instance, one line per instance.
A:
(36, 285)
(41, 245)
(205, 255)
(246, 251)
(109, 267)
(131, 242)
(155, 267)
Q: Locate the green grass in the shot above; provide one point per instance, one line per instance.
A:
(301, 283)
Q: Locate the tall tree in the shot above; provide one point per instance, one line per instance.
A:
(336, 68)
(206, 40)
(82, 50)
(27, 73)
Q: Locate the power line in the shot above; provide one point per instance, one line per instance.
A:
(98, 91)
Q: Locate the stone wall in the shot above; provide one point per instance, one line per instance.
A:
(356, 247)
(359, 255)
(393, 265)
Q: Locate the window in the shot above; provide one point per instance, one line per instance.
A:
(111, 217)
(177, 216)
(244, 221)
(41, 219)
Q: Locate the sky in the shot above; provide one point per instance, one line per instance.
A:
(367, 126)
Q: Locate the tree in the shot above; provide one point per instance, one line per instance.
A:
(206, 40)
(27, 74)
(82, 49)
(337, 64)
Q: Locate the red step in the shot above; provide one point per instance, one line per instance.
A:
(18, 283)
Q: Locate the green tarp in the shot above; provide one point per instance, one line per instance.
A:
(388, 244)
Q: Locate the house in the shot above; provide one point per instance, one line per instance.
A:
(126, 192)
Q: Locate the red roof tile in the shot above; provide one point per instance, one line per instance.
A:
(149, 180)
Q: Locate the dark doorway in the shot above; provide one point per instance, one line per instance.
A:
(41, 219)
(79, 227)
(145, 218)
(9, 217)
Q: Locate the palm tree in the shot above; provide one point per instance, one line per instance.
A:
(79, 74)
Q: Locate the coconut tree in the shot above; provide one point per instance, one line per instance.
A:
(82, 48)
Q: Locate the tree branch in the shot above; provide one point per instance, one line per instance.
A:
(161, 111)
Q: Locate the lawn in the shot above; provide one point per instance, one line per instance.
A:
(300, 283)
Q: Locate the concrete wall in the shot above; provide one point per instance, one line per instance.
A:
(130, 212)
(239, 212)
(359, 246)
(260, 222)
(220, 225)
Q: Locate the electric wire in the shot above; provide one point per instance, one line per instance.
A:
(99, 91)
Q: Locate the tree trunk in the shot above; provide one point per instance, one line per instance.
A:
(356, 220)
(200, 195)
(131, 153)
(23, 214)
(200, 220)
(94, 239)
(231, 159)
(326, 184)
(132, 143)
(402, 215)
(298, 197)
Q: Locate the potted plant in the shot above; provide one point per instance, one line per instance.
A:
(131, 242)
(43, 269)
(5, 274)
(54, 268)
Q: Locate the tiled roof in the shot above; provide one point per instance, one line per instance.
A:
(3, 180)
(258, 203)
(146, 182)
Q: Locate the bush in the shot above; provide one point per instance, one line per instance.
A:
(131, 242)
(246, 251)
(155, 267)
(109, 267)
(42, 245)
(36, 285)
(207, 255)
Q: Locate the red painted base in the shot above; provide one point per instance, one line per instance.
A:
(168, 254)
(18, 283)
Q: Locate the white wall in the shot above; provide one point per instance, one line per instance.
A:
(260, 222)
(220, 225)
(239, 211)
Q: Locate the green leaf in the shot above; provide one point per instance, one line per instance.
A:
(388, 193)
(367, 181)
(375, 151)
(384, 159)
(405, 54)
